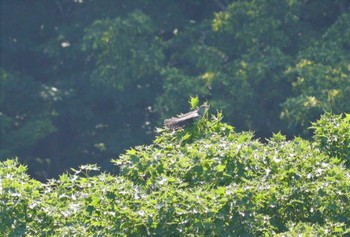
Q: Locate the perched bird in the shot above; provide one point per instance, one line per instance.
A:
(185, 119)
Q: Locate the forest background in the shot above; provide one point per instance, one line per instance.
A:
(83, 80)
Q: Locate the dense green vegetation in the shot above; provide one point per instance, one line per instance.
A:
(205, 180)
(87, 81)
(83, 80)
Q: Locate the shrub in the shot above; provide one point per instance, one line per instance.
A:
(332, 135)
(204, 180)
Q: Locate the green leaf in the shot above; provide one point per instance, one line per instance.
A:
(194, 102)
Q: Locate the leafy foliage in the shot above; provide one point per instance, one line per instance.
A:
(204, 180)
(332, 134)
(320, 77)
(130, 45)
(24, 125)
(81, 81)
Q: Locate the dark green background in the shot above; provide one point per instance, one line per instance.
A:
(81, 81)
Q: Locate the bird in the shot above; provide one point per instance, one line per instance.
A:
(185, 119)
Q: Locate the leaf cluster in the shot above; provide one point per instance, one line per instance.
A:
(85, 80)
(204, 180)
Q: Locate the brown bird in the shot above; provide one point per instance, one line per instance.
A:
(185, 119)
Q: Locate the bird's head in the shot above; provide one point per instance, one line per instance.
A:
(202, 109)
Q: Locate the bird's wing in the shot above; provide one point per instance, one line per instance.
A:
(181, 119)
(189, 115)
(173, 123)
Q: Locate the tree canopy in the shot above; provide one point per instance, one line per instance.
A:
(204, 180)
(87, 82)
(83, 80)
